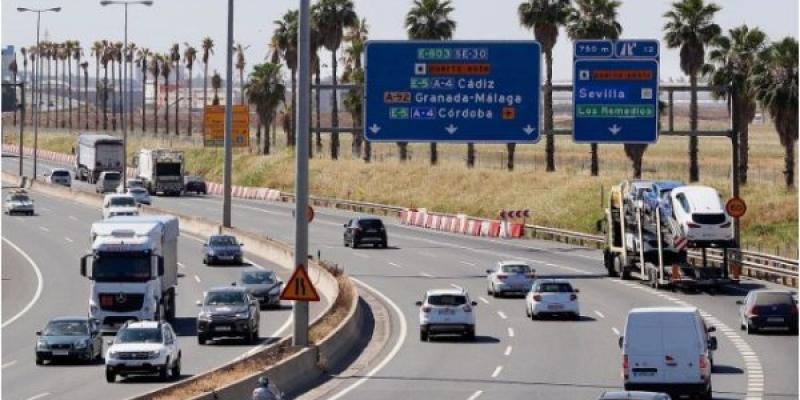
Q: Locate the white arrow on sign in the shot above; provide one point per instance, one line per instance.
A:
(451, 129)
(528, 129)
(374, 128)
(615, 129)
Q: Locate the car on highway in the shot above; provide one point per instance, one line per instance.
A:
(131, 183)
(108, 181)
(633, 395)
(140, 195)
(19, 202)
(508, 277)
(702, 217)
(446, 312)
(262, 284)
(222, 249)
(118, 205)
(764, 309)
(365, 230)
(144, 348)
(679, 366)
(229, 311)
(59, 176)
(554, 298)
(76, 338)
(658, 198)
(195, 184)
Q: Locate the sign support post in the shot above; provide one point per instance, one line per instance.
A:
(227, 173)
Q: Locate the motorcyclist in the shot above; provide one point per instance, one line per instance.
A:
(266, 390)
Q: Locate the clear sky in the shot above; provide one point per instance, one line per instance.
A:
(171, 21)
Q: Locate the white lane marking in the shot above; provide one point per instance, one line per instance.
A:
(197, 278)
(180, 264)
(481, 298)
(44, 229)
(68, 239)
(508, 351)
(502, 314)
(38, 396)
(475, 395)
(467, 263)
(615, 330)
(511, 332)
(360, 255)
(599, 314)
(10, 363)
(72, 217)
(426, 254)
(497, 371)
(395, 265)
(45, 209)
(425, 274)
(456, 286)
(39, 283)
(392, 353)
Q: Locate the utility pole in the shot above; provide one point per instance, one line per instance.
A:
(227, 173)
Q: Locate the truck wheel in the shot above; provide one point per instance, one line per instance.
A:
(618, 268)
(608, 260)
(423, 335)
(170, 312)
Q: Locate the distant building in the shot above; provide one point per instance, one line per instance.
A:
(8, 56)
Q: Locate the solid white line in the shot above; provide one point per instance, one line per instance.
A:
(396, 349)
(483, 300)
(39, 284)
(425, 274)
(502, 314)
(10, 363)
(45, 209)
(599, 314)
(475, 395)
(68, 239)
(616, 331)
(44, 229)
(197, 278)
(395, 265)
(508, 351)
(511, 332)
(497, 371)
(467, 263)
(180, 264)
(38, 396)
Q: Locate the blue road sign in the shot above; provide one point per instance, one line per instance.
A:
(615, 97)
(452, 91)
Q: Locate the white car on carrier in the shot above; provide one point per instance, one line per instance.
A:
(446, 311)
(702, 217)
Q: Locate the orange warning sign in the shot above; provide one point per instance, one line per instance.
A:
(299, 287)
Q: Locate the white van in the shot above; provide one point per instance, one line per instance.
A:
(668, 349)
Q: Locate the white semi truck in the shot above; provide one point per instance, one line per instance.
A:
(133, 267)
(96, 153)
(161, 170)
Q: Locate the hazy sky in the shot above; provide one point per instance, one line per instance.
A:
(170, 21)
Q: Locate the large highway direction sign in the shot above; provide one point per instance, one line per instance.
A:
(452, 91)
(615, 91)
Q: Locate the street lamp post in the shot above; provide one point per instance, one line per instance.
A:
(125, 3)
(37, 96)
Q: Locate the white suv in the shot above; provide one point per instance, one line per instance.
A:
(446, 311)
(144, 348)
(117, 205)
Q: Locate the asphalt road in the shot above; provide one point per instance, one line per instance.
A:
(513, 358)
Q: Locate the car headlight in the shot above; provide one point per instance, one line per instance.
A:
(113, 354)
(82, 344)
(204, 316)
(41, 345)
(243, 315)
(211, 252)
(275, 290)
(153, 354)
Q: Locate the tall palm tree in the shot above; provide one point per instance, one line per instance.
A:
(774, 81)
(98, 49)
(129, 59)
(544, 17)
(266, 90)
(13, 69)
(208, 50)
(594, 19)
(316, 46)
(354, 72)
(85, 67)
(216, 84)
(115, 57)
(47, 54)
(430, 20)
(334, 17)
(189, 56)
(284, 40)
(166, 69)
(154, 67)
(141, 61)
(77, 53)
(731, 61)
(64, 56)
(104, 60)
(119, 52)
(690, 27)
(55, 54)
(175, 58)
(240, 64)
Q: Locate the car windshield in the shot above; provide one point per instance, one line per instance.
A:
(20, 197)
(66, 328)
(447, 300)
(137, 191)
(763, 299)
(258, 277)
(370, 223)
(135, 183)
(123, 201)
(220, 298)
(139, 335)
(193, 179)
(60, 173)
(112, 176)
(222, 241)
(554, 287)
(516, 269)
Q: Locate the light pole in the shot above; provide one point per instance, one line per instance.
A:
(125, 3)
(228, 142)
(37, 96)
(301, 164)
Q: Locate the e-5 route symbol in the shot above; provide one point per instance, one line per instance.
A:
(299, 287)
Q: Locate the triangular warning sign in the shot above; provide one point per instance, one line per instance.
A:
(299, 287)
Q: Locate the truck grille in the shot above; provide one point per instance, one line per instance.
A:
(121, 302)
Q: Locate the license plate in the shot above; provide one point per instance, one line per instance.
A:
(372, 230)
(60, 352)
(775, 319)
(555, 307)
(446, 311)
(226, 257)
(222, 328)
(644, 373)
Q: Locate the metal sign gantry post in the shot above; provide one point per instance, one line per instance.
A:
(227, 172)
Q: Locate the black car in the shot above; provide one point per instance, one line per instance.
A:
(768, 309)
(228, 312)
(263, 284)
(194, 184)
(365, 231)
(69, 338)
(222, 249)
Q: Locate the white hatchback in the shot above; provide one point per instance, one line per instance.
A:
(552, 297)
(701, 215)
(446, 311)
(509, 277)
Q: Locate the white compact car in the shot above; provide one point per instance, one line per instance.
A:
(552, 297)
(140, 195)
(702, 217)
(59, 176)
(18, 202)
(509, 277)
(116, 205)
(446, 311)
(131, 183)
(144, 348)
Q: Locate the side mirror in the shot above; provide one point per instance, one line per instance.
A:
(38, 333)
(241, 244)
(205, 244)
(712, 343)
(160, 265)
(198, 303)
(740, 302)
(419, 304)
(488, 271)
(345, 225)
(712, 329)
(109, 342)
(576, 290)
(83, 265)
(620, 341)
(474, 303)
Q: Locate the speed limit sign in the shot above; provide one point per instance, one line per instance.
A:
(736, 207)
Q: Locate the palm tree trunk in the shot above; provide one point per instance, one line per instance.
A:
(334, 111)
(694, 171)
(55, 94)
(155, 105)
(367, 152)
(259, 125)
(177, 98)
(637, 166)
(86, 97)
(403, 148)
(470, 155)
(241, 85)
(318, 111)
(550, 145)
(595, 167)
(113, 97)
(49, 91)
(189, 84)
(741, 121)
(511, 148)
(358, 139)
(788, 161)
(144, 89)
(290, 134)
(434, 154)
(205, 84)
(96, 91)
(105, 97)
(14, 79)
(166, 104)
(78, 99)
(69, 90)
(131, 68)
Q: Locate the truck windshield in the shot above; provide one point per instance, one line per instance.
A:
(122, 267)
(168, 169)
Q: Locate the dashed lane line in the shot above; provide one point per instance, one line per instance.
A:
(197, 278)
(481, 298)
(72, 217)
(502, 314)
(68, 239)
(361, 255)
(497, 371)
(599, 314)
(510, 332)
(468, 263)
(425, 274)
(615, 330)
(508, 351)
(44, 228)
(475, 395)
(456, 286)
(395, 265)
(38, 396)
(8, 364)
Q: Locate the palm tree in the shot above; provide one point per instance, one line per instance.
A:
(594, 19)
(216, 84)
(635, 151)
(116, 57)
(47, 53)
(175, 58)
(240, 64)
(208, 50)
(107, 56)
(55, 54)
(690, 27)
(98, 49)
(316, 45)
(430, 20)
(85, 67)
(334, 17)
(154, 67)
(284, 40)
(774, 81)
(76, 55)
(31, 55)
(64, 56)
(166, 68)
(545, 17)
(189, 56)
(129, 53)
(354, 73)
(266, 90)
(141, 61)
(731, 61)
(12, 67)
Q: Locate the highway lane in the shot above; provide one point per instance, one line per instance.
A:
(549, 358)
(55, 239)
(20, 282)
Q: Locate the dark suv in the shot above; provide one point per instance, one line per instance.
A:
(228, 312)
(365, 231)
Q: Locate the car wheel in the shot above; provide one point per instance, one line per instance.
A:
(354, 244)
(163, 373)
(707, 395)
(176, 369)
(576, 317)
(751, 329)
(201, 339)
(111, 377)
(423, 335)
(345, 243)
(470, 334)
(384, 245)
(527, 311)
(793, 330)
(39, 360)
